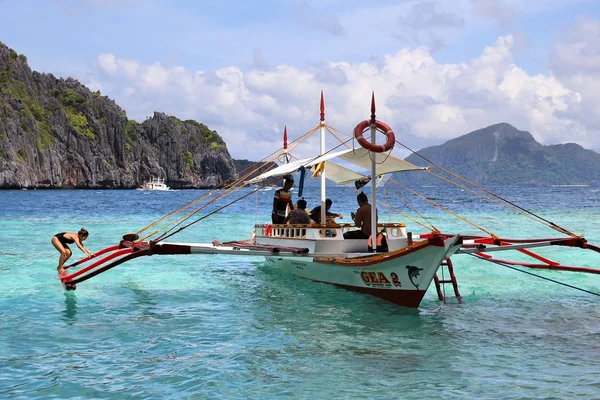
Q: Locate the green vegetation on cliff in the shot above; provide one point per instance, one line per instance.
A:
(207, 136)
(501, 155)
(57, 133)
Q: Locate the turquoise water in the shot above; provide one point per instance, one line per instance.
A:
(198, 327)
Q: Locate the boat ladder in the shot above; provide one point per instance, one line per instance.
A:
(439, 282)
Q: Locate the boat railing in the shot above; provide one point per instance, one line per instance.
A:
(393, 230)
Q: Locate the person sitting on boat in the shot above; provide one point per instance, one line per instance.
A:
(381, 243)
(61, 242)
(315, 213)
(362, 219)
(298, 215)
(281, 200)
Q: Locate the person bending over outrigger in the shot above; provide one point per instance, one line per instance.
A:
(61, 242)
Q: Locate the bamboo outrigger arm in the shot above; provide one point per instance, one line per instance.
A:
(126, 251)
(482, 245)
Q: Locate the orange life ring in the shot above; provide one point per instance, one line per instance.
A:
(377, 148)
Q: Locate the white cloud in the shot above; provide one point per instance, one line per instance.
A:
(423, 100)
(426, 23)
(309, 16)
(129, 67)
(579, 50)
(503, 13)
(155, 78)
(259, 59)
(576, 63)
(108, 63)
(94, 86)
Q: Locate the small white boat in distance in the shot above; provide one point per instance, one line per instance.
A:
(155, 184)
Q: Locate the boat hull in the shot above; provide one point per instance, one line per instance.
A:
(401, 277)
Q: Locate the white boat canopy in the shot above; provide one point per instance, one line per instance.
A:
(386, 164)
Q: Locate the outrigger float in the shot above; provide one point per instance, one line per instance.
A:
(402, 273)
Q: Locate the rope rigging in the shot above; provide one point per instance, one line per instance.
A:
(441, 207)
(536, 275)
(547, 222)
(187, 215)
(231, 187)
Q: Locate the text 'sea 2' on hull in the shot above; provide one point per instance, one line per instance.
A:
(401, 276)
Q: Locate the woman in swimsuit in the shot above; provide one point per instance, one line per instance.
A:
(61, 242)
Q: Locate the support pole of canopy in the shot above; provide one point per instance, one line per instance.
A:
(323, 171)
(373, 178)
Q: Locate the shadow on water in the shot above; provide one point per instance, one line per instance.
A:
(143, 302)
(322, 325)
(70, 311)
(285, 298)
(141, 297)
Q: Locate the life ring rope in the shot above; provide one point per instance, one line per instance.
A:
(382, 127)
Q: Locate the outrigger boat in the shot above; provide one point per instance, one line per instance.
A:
(402, 273)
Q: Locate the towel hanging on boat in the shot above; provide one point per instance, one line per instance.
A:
(319, 168)
(362, 182)
(301, 184)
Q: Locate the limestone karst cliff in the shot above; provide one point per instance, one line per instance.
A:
(56, 133)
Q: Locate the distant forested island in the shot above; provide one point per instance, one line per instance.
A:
(56, 133)
(501, 155)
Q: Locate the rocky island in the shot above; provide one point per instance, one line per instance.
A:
(501, 155)
(56, 133)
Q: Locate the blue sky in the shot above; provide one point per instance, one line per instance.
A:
(439, 69)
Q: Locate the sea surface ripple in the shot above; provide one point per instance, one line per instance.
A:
(217, 327)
